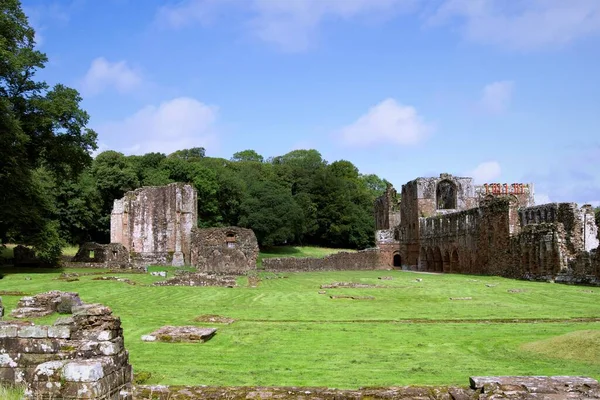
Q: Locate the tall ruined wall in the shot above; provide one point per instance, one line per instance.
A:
(224, 250)
(79, 357)
(154, 223)
(387, 210)
(361, 260)
(428, 197)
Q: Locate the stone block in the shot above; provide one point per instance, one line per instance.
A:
(49, 371)
(8, 360)
(60, 332)
(33, 331)
(91, 309)
(83, 371)
(7, 375)
(8, 331)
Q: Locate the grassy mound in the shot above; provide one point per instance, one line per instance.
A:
(578, 345)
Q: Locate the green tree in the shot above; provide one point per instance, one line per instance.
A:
(271, 212)
(597, 215)
(247, 155)
(194, 153)
(40, 127)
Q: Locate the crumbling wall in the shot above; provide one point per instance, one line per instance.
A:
(154, 223)
(78, 357)
(113, 255)
(229, 250)
(361, 260)
(387, 210)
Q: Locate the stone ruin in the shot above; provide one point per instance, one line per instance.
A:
(154, 223)
(447, 224)
(81, 356)
(113, 255)
(229, 250)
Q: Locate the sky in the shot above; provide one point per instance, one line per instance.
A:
(499, 90)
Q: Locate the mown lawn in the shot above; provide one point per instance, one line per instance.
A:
(287, 333)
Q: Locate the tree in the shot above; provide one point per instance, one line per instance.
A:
(270, 211)
(189, 154)
(247, 155)
(40, 127)
(597, 215)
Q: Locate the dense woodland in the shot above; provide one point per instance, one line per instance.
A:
(53, 192)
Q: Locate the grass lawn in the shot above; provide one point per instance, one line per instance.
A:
(287, 333)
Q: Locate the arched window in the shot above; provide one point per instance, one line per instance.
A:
(397, 260)
(446, 195)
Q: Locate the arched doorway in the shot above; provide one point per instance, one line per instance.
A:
(397, 260)
(430, 260)
(437, 260)
(446, 264)
(423, 258)
(454, 266)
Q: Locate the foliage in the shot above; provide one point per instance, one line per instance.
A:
(597, 215)
(287, 334)
(44, 138)
(12, 392)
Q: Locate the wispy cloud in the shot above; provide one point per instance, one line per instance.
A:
(521, 25)
(103, 75)
(496, 97)
(290, 25)
(486, 172)
(387, 122)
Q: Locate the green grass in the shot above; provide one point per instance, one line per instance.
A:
(578, 345)
(11, 393)
(287, 333)
(7, 252)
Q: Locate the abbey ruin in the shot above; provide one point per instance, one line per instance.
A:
(447, 224)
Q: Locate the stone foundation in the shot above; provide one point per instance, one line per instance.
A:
(78, 357)
(506, 387)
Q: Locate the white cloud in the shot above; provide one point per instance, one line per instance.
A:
(177, 124)
(486, 172)
(387, 122)
(496, 96)
(291, 25)
(522, 25)
(103, 75)
(541, 198)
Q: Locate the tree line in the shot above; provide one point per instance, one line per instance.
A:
(296, 198)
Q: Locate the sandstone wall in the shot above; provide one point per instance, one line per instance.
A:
(362, 260)
(229, 250)
(113, 255)
(79, 357)
(154, 223)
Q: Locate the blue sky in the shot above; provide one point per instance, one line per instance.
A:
(501, 90)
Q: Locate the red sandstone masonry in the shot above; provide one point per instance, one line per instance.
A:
(362, 260)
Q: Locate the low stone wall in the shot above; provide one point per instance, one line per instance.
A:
(361, 260)
(481, 387)
(113, 255)
(229, 250)
(79, 357)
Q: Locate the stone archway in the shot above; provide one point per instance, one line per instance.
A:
(446, 195)
(397, 260)
(437, 260)
(423, 259)
(454, 261)
(430, 260)
(446, 262)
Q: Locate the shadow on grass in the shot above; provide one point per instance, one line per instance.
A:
(8, 270)
(280, 250)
